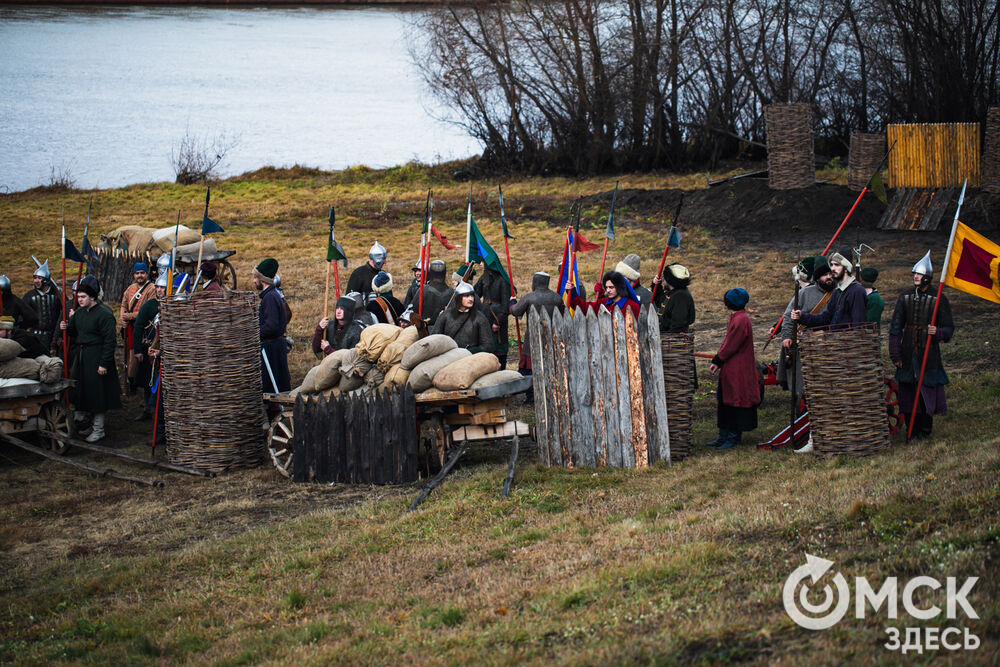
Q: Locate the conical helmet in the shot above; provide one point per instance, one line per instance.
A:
(43, 269)
(4, 284)
(377, 255)
(924, 265)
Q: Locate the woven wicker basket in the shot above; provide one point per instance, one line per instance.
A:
(212, 403)
(790, 160)
(844, 390)
(867, 151)
(678, 377)
(991, 152)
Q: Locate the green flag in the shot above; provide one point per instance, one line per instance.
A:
(334, 251)
(876, 186)
(481, 251)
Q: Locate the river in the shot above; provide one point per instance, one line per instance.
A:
(105, 95)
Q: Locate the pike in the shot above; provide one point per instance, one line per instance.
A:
(86, 244)
(609, 230)
(208, 226)
(666, 248)
(173, 257)
(424, 252)
(63, 299)
(937, 302)
(876, 186)
(571, 278)
(510, 274)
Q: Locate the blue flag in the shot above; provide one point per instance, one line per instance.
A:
(209, 226)
(674, 240)
(72, 254)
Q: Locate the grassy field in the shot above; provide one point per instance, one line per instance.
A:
(681, 564)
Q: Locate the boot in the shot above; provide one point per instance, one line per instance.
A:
(806, 448)
(732, 439)
(926, 425)
(80, 425)
(145, 415)
(98, 431)
(719, 439)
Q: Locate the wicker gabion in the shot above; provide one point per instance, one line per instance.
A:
(679, 380)
(867, 151)
(844, 390)
(790, 160)
(211, 378)
(991, 152)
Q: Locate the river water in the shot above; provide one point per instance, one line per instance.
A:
(105, 95)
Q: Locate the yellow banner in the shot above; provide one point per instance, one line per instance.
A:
(974, 264)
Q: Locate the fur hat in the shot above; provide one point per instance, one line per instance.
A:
(737, 298)
(629, 267)
(382, 282)
(266, 270)
(803, 271)
(6, 323)
(822, 267)
(677, 276)
(90, 286)
(869, 274)
(840, 258)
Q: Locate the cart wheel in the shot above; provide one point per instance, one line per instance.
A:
(894, 415)
(227, 275)
(56, 419)
(279, 442)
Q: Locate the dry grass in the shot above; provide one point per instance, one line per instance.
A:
(666, 565)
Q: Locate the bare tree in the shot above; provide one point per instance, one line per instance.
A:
(197, 159)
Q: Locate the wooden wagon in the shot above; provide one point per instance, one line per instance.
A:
(37, 407)
(444, 417)
(226, 274)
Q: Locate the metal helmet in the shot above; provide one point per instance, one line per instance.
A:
(463, 289)
(43, 269)
(377, 255)
(4, 284)
(924, 267)
(161, 281)
(277, 281)
(163, 262)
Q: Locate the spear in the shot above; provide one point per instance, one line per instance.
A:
(428, 207)
(208, 226)
(63, 299)
(937, 302)
(510, 274)
(609, 231)
(173, 257)
(672, 238)
(86, 244)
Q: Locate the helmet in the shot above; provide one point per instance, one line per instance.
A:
(277, 281)
(43, 269)
(161, 281)
(377, 255)
(924, 267)
(463, 289)
(416, 266)
(4, 284)
(163, 262)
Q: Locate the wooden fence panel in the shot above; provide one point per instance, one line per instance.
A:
(639, 443)
(560, 366)
(657, 428)
(625, 425)
(934, 155)
(575, 334)
(552, 402)
(597, 354)
(609, 386)
(534, 336)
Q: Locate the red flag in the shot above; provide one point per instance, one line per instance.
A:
(583, 245)
(973, 265)
(442, 238)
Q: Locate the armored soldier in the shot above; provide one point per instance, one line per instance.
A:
(46, 300)
(361, 279)
(24, 315)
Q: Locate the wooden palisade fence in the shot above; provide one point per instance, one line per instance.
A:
(113, 269)
(356, 439)
(598, 382)
(934, 155)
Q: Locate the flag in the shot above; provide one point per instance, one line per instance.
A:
(87, 249)
(334, 251)
(72, 254)
(568, 265)
(443, 239)
(674, 240)
(583, 245)
(479, 250)
(875, 185)
(609, 231)
(209, 226)
(503, 218)
(974, 264)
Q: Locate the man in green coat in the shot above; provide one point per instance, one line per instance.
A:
(874, 305)
(92, 330)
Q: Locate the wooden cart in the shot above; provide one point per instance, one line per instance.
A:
(226, 274)
(29, 408)
(445, 417)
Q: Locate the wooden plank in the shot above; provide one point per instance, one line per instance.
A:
(412, 432)
(505, 390)
(639, 442)
(299, 460)
(609, 389)
(657, 426)
(538, 384)
(446, 397)
(320, 440)
(491, 417)
(596, 352)
(560, 388)
(622, 385)
(482, 406)
(549, 395)
(35, 389)
(581, 398)
(482, 432)
(352, 441)
(337, 440)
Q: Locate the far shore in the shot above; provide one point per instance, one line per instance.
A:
(219, 3)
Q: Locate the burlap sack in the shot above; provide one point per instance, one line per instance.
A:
(131, 237)
(164, 239)
(189, 248)
(328, 371)
(493, 379)
(462, 373)
(19, 368)
(9, 349)
(396, 376)
(308, 385)
(391, 355)
(422, 377)
(353, 365)
(408, 336)
(50, 369)
(426, 348)
(349, 383)
(374, 377)
(374, 339)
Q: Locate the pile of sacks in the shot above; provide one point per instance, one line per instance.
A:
(388, 356)
(43, 368)
(136, 239)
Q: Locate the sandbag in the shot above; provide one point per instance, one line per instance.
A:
(19, 368)
(353, 365)
(408, 336)
(190, 248)
(374, 377)
(349, 383)
(396, 376)
(9, 349)
(132, 238)
(426, 348)
(187, 239)
(50, 369)
(168, 233)
(308, 385)
(462, 373)
(328, 370)
(374, 339)
(493, 379)
(422, 377)
(391, 355)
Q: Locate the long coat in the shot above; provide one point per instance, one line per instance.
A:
(494, 291)
(437, 296)
(738, 380)
(542, 297)
(907, 339)
(847, 307)
(93, 333)
(470, 329)
(273, 319)
(809, 299)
